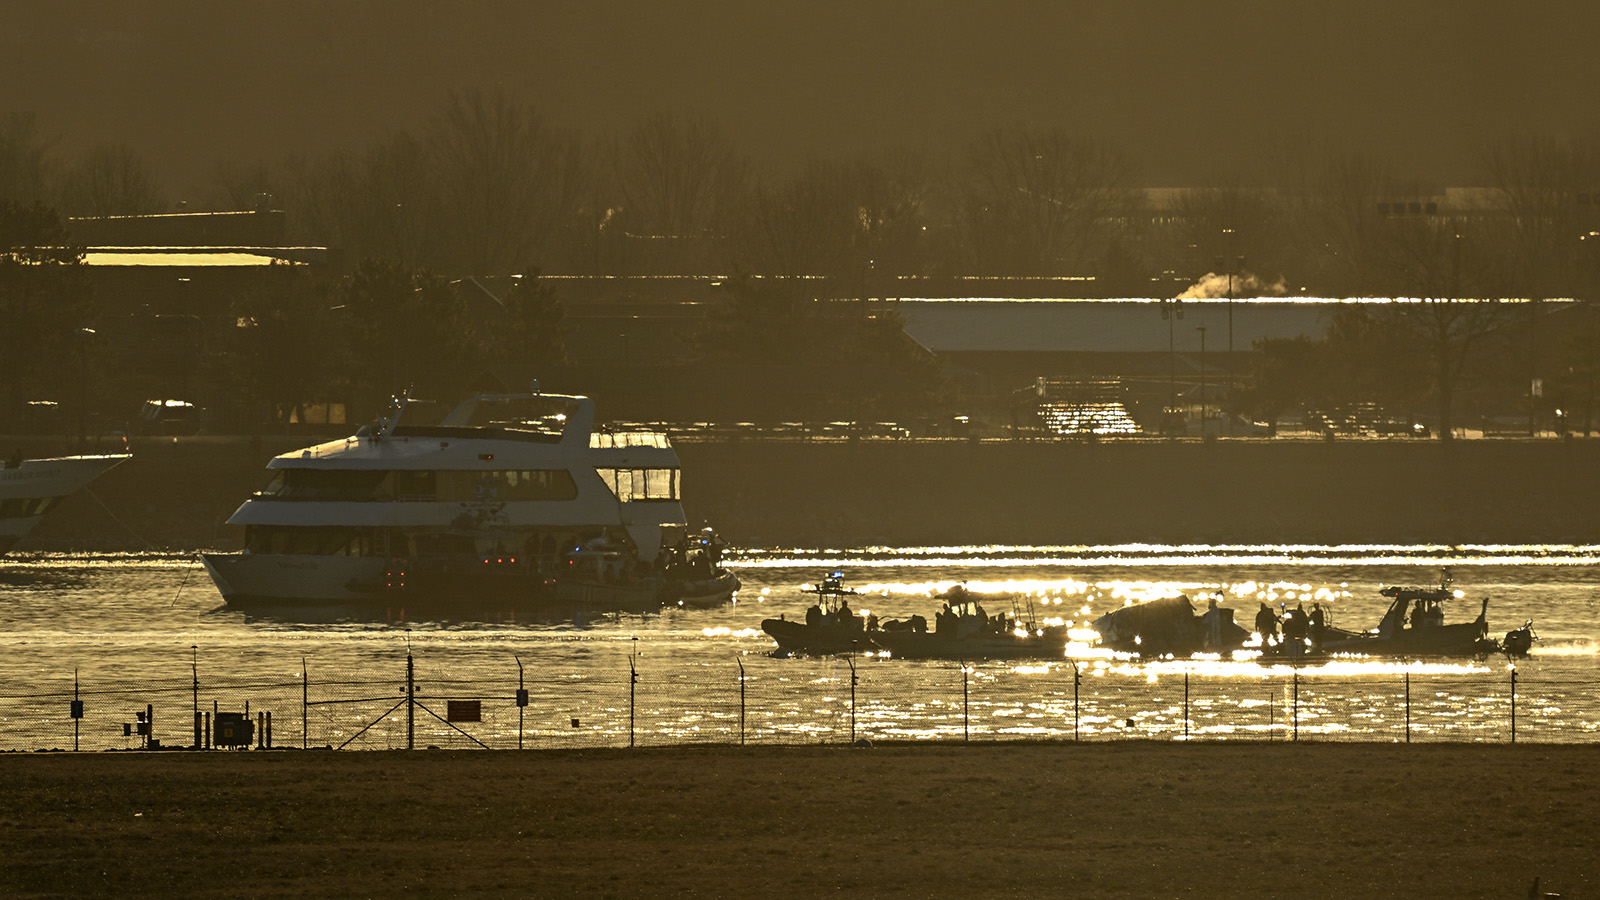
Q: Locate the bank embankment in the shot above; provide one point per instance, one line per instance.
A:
(176, 494)
(929, 820)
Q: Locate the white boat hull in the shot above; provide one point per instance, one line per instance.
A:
(291, 579)
(491, 505)
(28, 491)
(707, 592)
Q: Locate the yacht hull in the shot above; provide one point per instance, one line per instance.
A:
(289, 579)
(500, 504)
(283, 580)
(29, 490)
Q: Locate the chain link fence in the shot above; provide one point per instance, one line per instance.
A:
(759, 700)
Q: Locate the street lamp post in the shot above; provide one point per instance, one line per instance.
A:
(1230, 266)
(1171, 309)
(1593, 245)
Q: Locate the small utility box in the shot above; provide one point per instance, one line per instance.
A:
(233, 730)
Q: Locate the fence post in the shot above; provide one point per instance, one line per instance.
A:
(1186, 705)
(741, 699)
(1408, 707)
(411, 699)
(194, 668)
(633, 681)
(966, 708)
(1513, 704)
(305, 703)
(1077, 679)
(522, 700)
(852, 662)
(1296, 712)
(75, 709)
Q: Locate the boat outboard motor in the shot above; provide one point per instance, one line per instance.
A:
(1520, 641)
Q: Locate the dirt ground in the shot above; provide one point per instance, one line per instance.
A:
(929, 820)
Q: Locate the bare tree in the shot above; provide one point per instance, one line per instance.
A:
(799, 228)
(1454, 286)
(110, 180)
(25, 164)
(44, 299)
(889, 229)
(239, 185)
(379, 204)
(507, 183)
(677, 179)
(1224, 225)
(394, 205)
(855, 223)
(1345, 228)
(1537, 184)
(1032, 202)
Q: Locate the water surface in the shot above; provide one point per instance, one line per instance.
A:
(132, 631)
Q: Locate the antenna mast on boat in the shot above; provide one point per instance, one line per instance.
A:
(397, 406)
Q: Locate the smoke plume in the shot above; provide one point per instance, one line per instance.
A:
(1215, 287)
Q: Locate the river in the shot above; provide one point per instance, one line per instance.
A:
(130, 633)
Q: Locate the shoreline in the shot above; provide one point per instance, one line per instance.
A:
(927, 819)
(177, 493)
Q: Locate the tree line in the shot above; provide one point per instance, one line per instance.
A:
(483, 184)
(485, 187)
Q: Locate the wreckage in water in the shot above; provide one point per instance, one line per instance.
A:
(1169, 626)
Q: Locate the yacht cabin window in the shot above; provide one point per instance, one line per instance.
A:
(641, 484)
(382, 485)
(514, 484)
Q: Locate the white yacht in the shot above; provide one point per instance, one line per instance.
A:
(493, 502)
(30, 487)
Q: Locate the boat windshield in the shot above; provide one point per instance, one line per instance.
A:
(603, 440)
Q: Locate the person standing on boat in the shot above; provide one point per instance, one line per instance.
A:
(1319, 622)
(1419, 615)
(1266, 624)
(713, 544)
(1295, 627)
(848, 618)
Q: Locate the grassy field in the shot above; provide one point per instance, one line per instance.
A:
(930, 820)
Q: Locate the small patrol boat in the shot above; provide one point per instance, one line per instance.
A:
(963, 630)
(1413, 625)
(830, 626)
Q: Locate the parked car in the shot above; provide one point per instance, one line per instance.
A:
(169, 417)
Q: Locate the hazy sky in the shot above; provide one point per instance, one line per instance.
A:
(1187, 88)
